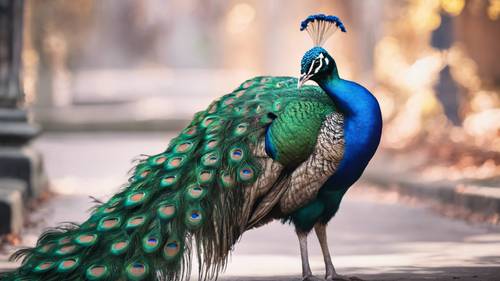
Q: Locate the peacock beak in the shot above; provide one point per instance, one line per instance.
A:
(302, 79)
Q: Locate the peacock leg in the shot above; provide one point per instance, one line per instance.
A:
(331, 274)
(306, 269)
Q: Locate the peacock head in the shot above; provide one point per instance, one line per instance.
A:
(316, 63)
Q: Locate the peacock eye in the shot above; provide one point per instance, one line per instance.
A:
(316, 65)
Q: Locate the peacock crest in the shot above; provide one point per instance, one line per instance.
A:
(321, 27)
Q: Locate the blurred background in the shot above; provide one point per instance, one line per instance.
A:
(149, 65)
(108, 80)
(432, 64)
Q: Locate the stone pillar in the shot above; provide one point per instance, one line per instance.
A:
(21, 174)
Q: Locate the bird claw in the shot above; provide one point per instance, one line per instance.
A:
(338, 277)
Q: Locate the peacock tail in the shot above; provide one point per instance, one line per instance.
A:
(200, 194)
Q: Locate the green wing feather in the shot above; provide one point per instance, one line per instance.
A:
(294, 132)
(193, 191)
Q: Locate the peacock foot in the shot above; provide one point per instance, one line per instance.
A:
(338, 277)
(312, 278)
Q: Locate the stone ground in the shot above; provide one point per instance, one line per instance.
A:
(374, 236)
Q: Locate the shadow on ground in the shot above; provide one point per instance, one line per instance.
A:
(404, 274)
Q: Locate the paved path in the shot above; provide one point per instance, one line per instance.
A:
(373, 236)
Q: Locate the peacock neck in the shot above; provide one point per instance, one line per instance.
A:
(349, 97)
(352, 99)
(362, 125)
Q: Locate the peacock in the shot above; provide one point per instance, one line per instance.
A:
(273, 149)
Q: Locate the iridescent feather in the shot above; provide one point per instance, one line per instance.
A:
(198, 193)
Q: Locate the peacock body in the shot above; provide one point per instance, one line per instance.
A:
(266, 151)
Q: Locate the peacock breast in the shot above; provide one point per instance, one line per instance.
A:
(362, 134)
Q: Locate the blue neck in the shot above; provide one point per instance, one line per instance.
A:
(362, 125)
(352, 99)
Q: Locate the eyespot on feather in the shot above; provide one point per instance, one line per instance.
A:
(135, 221)
(108, 210)
(136, 198)
(119, 247)
(236, 154)
(190, 132)
(65, 250)
(210, 159)
(150, 243)
(168, 181)
(205, 176)
(44, 267)
(137, 271)
(228, 101)
(211, 144)
(46, 248)
(172, 249)
(157, 160)
(208, 120)
(68, 265)
(166, 211)
(142, 173)
(195, 192)
(97, 272)
(227, 180)
(108, 223)
(247, 84)
(240, 129)
(240, 93)
(64, 240)
(194, 218)
(184, 147)
(86, 239)
(175, 162)
(246, 174)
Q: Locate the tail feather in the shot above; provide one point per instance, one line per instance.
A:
(191, 193)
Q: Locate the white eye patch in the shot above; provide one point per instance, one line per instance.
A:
(319, 66)
(311, 67)
(322, 60)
